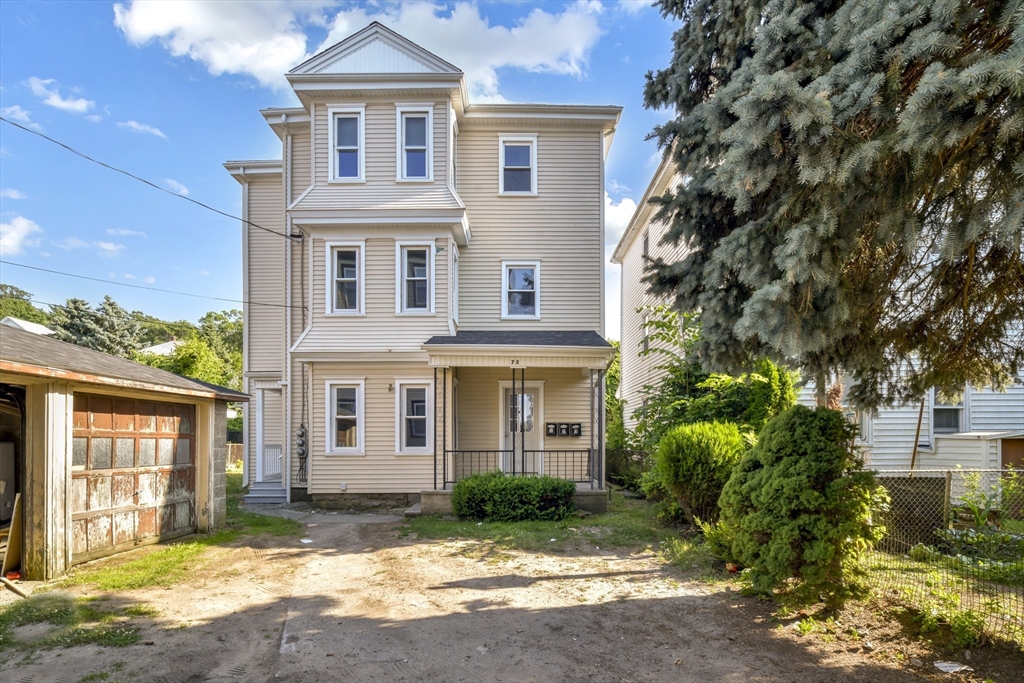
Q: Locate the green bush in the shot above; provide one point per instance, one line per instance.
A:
(694, 462)
(497, 497)
(801, 505)
(718, 537)
(653, 489)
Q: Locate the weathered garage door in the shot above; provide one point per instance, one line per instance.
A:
(133, 473)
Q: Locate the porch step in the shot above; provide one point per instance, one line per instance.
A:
(265, 493)
(415, 511)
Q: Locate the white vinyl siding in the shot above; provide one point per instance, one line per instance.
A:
(561, 227)
(302, 169)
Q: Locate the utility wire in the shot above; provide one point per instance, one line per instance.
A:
(143, 180)
(152, 289)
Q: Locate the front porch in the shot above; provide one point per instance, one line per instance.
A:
(527, 404)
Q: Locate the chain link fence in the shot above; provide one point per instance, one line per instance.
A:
(954, 546)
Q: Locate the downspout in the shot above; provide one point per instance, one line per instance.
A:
(287, 182)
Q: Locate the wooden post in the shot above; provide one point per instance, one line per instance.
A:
(947, 502)
(917, 437)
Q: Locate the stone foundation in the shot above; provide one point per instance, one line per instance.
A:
(440, 502)
(364, 501)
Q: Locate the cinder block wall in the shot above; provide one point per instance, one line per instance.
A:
(220, 459)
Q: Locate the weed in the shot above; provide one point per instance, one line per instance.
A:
(806, 627)
(77, 622)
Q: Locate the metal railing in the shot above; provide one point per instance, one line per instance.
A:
(272, 461)
(954, 542)
(573, 465)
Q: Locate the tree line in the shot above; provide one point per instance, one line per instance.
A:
(210, 350)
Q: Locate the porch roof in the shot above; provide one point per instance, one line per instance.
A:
(520, 348)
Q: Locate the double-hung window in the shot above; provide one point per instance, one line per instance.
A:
(413, 434)
(948, 418)
(415, 142)
(346, 144)
(345, 416)
(346, 284)
(520, 290)
(415, 286)
(517, 165)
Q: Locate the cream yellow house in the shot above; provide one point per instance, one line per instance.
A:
(424, 282)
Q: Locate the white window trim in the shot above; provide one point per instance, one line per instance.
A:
(360, 246)
(360, 112)
(400, 418)
(532, 139)
(420, 108)
(505, 265)
(360, 384)
(965, 414)
(400, 247)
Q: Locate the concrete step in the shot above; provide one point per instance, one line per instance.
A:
(266, 486)
(263, 500)
(415, 511)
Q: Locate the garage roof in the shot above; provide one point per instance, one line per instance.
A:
(31, 354)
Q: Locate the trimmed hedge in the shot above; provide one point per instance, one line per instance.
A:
(694, 461)
(497, 497)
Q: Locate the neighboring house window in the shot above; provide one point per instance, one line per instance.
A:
(413, 411)
(415, 144)
(415, 286)
(346, 143)
(345, 416)
(517, 172)
(947, 418)
(346, 285)
(521, 290)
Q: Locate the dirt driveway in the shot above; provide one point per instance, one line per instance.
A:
(360, 603)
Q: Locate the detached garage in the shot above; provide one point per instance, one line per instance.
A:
(99, 454)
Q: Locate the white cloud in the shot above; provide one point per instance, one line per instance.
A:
(176, 186)
(150, 279)
(633, 7)
(17, 235)
(137, 127)
(109, 248)
(52, 98)
(71, 243)
(264, 39)
(618, 188)
(21, 116)
(616, 218)
(11, 193)
(94, 118)
(129, 276)
(123, 232)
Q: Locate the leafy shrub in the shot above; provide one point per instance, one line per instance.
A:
(719, 538)
(497, 497)
(625, 466)
(694, 462)
(653, 489)
(801, 506)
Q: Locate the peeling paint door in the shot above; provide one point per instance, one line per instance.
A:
(133, 473)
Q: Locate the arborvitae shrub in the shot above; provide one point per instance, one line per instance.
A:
(694, 462)
(800, 504)
(497, 497)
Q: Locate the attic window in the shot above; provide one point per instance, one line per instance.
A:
(346, 140)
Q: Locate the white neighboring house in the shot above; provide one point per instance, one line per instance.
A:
(165, 349)
(26, 326)
(431, 305)
(985, 430)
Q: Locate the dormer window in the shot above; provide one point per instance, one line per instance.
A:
(517, 165)
(415, 142)
(346, 141)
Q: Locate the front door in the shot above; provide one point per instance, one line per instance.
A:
(522, 454)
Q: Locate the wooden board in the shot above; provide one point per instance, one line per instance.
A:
(12, 558)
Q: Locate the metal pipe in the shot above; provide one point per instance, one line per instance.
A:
(435, 429)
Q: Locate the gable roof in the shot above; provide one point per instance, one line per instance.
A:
(26, 325)
(375, 49)
(30, 354)
(663, 177)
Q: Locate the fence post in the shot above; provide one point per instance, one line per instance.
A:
(947, 501)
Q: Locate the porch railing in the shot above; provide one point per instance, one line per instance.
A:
(578, 466)
(272, 461)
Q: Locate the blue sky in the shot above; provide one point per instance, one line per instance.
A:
(170, 90)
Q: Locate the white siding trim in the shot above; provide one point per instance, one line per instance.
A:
(532, 139)
(505, 265)
(360, 384)
(400, 246)
(414, 108)
(329, 309)
(360, 111)
(400, 421)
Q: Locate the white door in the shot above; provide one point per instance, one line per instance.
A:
(522, 453)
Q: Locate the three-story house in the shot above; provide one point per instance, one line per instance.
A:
(423, 283)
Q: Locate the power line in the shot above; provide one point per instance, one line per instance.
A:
(143, 180)
(152, 289)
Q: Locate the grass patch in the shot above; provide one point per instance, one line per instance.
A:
(234, 485)
(173, 562)
(628, 524)
(76, 621)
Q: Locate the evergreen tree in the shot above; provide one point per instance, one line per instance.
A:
(853, 191)
(109, 329)
(120, 331)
